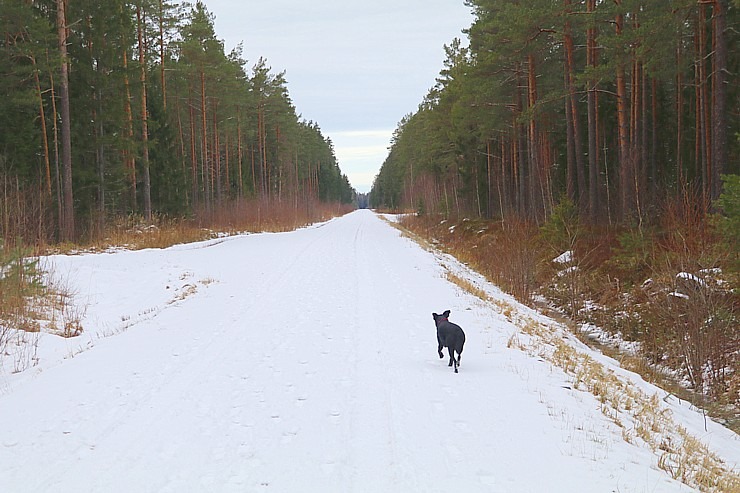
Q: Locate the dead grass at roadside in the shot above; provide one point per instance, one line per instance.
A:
(641, 417)
(254, 216)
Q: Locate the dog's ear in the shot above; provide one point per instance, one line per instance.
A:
(446, 314)
(434, 316)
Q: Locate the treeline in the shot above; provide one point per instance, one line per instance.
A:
(619, 106)
(133, 107)
(607, 129)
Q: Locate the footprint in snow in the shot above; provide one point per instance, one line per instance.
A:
(487, 479)
(288, 436)
(462, 426)
(328, 467)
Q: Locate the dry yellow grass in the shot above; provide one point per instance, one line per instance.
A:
(640, 416)
(467, 286)
(251, 216)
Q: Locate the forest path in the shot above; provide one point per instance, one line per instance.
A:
(302, 361)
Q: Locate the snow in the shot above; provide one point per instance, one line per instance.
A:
(677, 294)
(569, 271)
(564, 258)
(306, 361)
(691, 277)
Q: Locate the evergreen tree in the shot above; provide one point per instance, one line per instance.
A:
(616, 105)
(134, 106)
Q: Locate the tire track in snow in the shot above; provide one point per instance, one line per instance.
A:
(310, 365)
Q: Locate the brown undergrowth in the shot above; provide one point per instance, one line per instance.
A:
(33, 299)
(640, 416)
(674, 302)
(245, 216)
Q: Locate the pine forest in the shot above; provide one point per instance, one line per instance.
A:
(132, 110)
(584, 154)
(614, 105)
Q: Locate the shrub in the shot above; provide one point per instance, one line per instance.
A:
(728, 223)
(562, 228)
(20, 277)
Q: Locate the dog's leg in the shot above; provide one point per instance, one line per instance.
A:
(439, 350)
(452, 356)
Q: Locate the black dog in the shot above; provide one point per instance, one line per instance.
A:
(449, 335)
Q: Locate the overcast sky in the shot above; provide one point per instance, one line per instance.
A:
(354, 67)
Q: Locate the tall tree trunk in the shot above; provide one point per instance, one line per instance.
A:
(679, 113)
(100, 131)
(263, 158)
(519, 147)
(704, 148)
(296, 184)
(635, 132)
(57, 171)
(98, 134)
(533, 148)
(205, 170)
(227, 171)
(161, 55)
(147, 187)
(217, 186)
(68, 219)
(129, 162)
(653, 174)
(262, 136)
(44, 135)
(644, 153)
(259, 151)
(719, 96)
(239, 152)
(489, 202)
(506, 179)
(570, 152)
(699, 151)
(181, 139)
(254, 176)
(193, 153)
(626, 181)
(574, 121)
(280, 165)
(593, 143)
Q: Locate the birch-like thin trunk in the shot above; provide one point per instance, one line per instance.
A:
(68, 219)
(146, 182)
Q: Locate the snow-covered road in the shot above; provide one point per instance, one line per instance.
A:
(304, 362)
